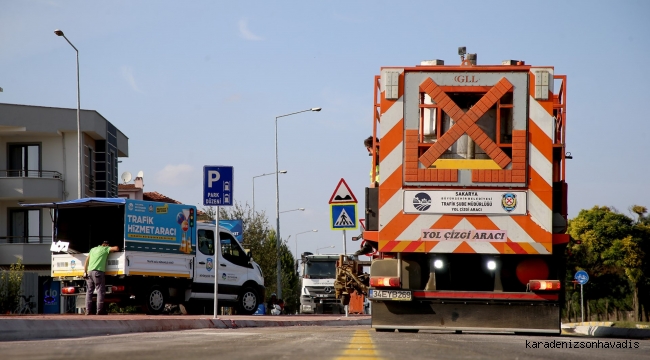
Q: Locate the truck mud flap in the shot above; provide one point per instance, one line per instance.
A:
(522, 317)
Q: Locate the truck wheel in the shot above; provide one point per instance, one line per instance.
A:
(155, 300)
(385, 330)
(248, 301)
(408, 330)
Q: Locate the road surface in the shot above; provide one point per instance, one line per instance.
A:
(321, 342)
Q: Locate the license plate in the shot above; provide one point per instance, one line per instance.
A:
(394, 295)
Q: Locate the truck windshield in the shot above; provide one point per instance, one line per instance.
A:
(321, 269)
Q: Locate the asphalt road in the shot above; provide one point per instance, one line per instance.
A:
(318, 342)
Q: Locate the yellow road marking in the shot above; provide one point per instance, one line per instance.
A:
(360, 346)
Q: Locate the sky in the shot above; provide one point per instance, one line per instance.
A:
(195, 83)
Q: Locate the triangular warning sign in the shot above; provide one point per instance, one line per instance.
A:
(342, 194)
(343, 219)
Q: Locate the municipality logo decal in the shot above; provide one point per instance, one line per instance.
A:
(223, 276)
(209, 264)
(422, 201)
(130, 206)
(509, 201)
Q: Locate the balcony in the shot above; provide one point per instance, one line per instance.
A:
(28, 185)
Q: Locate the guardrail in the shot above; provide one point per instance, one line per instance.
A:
(25, 239)
(31, 173)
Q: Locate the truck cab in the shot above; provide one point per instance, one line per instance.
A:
(317, 295)
(241, 281)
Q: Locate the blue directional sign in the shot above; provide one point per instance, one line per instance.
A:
(217, 185)
(581, 277)
(343, 216)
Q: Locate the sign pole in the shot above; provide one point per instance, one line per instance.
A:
(217, 191)
(217, 250)
(345, 252)
(582, 278)
(582, 308)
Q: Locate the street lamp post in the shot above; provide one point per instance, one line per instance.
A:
(79, 179)
(281, 172)
(277, 202)
(326, 247)
(304, 232)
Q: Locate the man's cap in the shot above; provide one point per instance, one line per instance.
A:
(105, 242)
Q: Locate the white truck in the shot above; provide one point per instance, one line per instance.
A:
(165, 256)
(317, 295)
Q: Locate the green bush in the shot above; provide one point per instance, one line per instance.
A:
(115, 308)
(10, 284)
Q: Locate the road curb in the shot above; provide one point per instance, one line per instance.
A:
(34, 329)
(607, 331)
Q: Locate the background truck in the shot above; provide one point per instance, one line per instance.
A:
(165, 256)
(317, 295)
(469, 214)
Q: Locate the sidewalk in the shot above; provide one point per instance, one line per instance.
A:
(33, 327)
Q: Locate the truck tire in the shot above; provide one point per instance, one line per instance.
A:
(408, 330)
(385, 330)
(248, 301)
(155, 300)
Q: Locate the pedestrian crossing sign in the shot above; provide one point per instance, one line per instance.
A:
(343, 216)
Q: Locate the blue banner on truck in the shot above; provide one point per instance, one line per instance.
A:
(159, 227)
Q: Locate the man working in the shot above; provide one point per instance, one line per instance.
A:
(96, 264)
(368, 144)
(367, 246)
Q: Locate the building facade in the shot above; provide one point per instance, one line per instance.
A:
(38, 163)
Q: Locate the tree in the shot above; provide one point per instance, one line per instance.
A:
(609, 246)
(10, 284)
(641, 211)
(261, 240)
(207, 213)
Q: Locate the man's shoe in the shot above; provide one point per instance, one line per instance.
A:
(365, 249)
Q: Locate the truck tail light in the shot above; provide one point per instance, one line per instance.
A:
(377, 281)
(117, 288)
(544, 285)
(69, 290)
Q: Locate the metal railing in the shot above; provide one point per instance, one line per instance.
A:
(31, 173)
(25, 239)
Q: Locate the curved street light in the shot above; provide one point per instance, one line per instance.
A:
(326, 247)
(304, 232)
(277, 201)
(281, 172)
(298, 209)
(79, 179)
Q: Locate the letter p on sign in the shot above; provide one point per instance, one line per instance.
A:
(213, 176)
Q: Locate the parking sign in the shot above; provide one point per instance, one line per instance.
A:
(217, 185)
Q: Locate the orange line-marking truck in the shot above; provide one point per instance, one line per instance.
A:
(469, 212)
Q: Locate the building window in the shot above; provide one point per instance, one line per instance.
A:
(24, 226)
(24, 160)
(91, 170)
(113, 176)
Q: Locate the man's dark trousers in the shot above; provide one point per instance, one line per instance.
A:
(96, 279)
